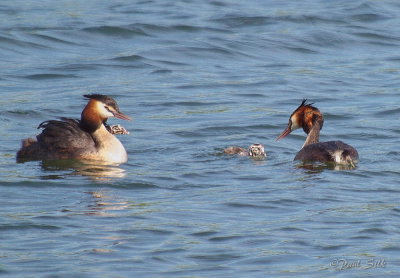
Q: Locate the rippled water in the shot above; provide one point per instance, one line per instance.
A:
(199, 76)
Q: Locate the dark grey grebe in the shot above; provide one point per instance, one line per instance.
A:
(311, 120)
(255, 150)
(87, 139)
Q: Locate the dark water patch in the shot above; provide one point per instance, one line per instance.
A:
(299, 49)
(215, 257)
(44, 76)
(300, 242)
(368, 238)
(11, 42)
(172, 251)
(129, 58)
(21, 113)
(391, 249)
(326, 39)
(290, 229)
(269, 259)
(250, 95)
(26, 183)
(156, 232)
(369, 12)
(53, 39)
(396, 210)
(206, 52)
(337, 116)
(27, 226)
(388, 112)
(116, 31)
(162, 29)
(249, 206)
(225, 238)
(204, 234)
(369, 17)
(377, 37)
(137, 185)
(83, 67)
(331, 247)
(286, 202)
(161, 71)
(172, 63)
(373, 231)
(235, 21)
(190, 103)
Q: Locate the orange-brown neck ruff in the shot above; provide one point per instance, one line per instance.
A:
(311, 115)
(90, 117)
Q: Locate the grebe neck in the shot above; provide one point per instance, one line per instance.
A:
(313, 135)
(90, 119)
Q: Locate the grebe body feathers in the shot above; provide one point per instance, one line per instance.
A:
(254, 150)
(85, 139)
(310, 119)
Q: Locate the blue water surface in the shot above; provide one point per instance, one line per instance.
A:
(197, 77)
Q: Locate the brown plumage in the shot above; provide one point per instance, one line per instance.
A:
(254, 150)
(310, 119)
(87, 138)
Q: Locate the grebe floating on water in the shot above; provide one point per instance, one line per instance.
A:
(311, 120)
(255, 150)
(89, 138)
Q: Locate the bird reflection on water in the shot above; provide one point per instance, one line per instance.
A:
(95, 171)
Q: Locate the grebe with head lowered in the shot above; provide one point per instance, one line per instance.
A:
(255, 150)
(89, 138)
(311, 120)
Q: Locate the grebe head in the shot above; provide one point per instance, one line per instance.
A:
(303, 117)
(257, 150)
(98, 110)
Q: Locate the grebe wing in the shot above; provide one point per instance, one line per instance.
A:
(331, 151)
(64, 136)
(313, 152)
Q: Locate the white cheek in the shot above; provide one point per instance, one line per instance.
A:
(103, 111)
(294, 123)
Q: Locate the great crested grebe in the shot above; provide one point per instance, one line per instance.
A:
(89, 138)
(311, 120)
(255, 150)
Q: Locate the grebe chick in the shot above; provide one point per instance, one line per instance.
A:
(311, 120)
(84, 139)
(255, 150)
(116, 129)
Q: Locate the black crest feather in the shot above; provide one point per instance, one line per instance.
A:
(104, 99)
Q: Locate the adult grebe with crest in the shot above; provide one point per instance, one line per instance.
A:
(89, 138)
(311, 120)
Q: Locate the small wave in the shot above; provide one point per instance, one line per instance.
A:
(129, 58)
(42, 76)
(53, 39)
(162, 29)
(388, 112)
(234, 21)
(116, 31)
(373, 231)
(27, 226)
